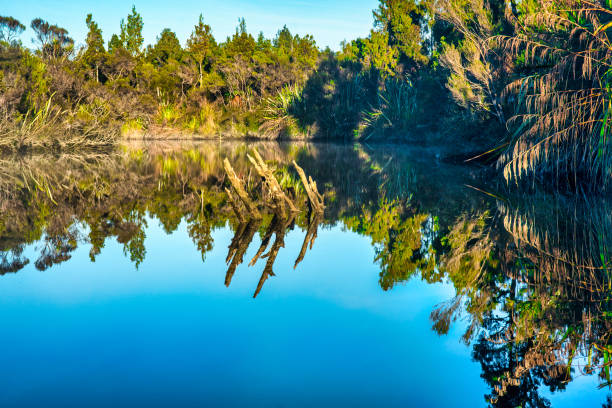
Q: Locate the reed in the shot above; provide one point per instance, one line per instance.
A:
(132, 127)
(561, 128)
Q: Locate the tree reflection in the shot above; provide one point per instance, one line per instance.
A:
(534, 280)
(531, 274)
(12, 261)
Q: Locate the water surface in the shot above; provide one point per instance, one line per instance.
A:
(424, 284)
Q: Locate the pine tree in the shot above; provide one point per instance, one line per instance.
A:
(114, 44)
(201, 46)
(404, 21)
(167, 47)
(131, 33)
(95, 54)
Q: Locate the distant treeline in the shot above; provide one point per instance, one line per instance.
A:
(527, 82)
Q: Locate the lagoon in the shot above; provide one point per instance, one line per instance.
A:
(425, 285)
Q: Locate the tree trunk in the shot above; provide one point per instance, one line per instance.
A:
(201, 76)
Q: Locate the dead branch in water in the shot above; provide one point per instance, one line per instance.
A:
(281, 204)
(284, 210)
(280, 199)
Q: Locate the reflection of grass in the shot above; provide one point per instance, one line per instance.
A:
(565, 237)
(100, 189)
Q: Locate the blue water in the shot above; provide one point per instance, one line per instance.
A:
(168, 332)
(171, 334)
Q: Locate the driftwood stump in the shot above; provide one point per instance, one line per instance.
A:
(276, 192)
(284, 212)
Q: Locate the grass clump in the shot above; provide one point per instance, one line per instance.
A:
(132, 127)
(278, 113)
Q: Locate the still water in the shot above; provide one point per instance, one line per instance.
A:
(126, 282)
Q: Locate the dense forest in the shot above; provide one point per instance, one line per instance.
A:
(521, 85)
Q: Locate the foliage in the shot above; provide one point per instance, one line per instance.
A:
(202, 48)
(476, 78)
(131, 38)
(280, 112)
(95, 54)
(458, 69)
(404, 22)
(561, 129)
(167, 48)
(54, 40)
(395, 112)
(10, 30)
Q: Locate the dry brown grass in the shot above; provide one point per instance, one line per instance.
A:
(52, 128)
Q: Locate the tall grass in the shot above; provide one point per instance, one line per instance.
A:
(395, 111)
(132, 127)
(168, 114)
(204, 121)
(49, 126)
(31, 125)
(208, 118)
(561, 129)
(279, 112)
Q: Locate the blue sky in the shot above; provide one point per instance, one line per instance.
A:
(329, 21)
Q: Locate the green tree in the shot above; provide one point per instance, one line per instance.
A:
(242, 43)
(263, 44)
(404, 21)
(95, 54)
(305, 49)
(131, 33)
(284, 40)
(10, 30)
(167, 47)
(373, 52)
(114, 44)
(201, 46)
(54, 40)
